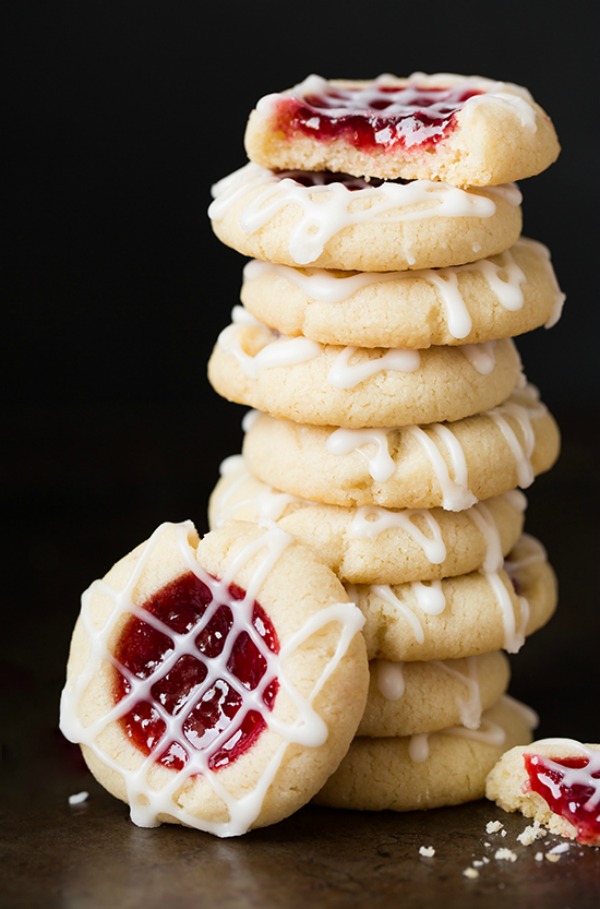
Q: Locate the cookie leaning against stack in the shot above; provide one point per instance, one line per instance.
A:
(391, 427)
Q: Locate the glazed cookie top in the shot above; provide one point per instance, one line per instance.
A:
(555, 781)
(421, 697)
(499, 297)
(337, 221)
(458, 617)
(217, 682)
(451, 465)
(302, 380)
(466, 130)
(374, 545)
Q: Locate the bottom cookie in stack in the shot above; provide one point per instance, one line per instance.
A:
(443, 594)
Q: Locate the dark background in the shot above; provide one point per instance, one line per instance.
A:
(118, 118)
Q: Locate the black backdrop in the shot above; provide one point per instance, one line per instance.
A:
(119, 117)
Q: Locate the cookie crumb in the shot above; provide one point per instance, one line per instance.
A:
(493, 826)
(505, 855)
(471, 872)
(78, 798)
(539, 856)
(552, 857)
(559, 849)
(531, 834)
(427, 851)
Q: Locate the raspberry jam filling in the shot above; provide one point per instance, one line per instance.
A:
(571, 787)
(381, 116)
(201, 672)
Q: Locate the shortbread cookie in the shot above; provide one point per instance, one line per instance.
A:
(215, 683)
(374, 545)
(336, 221)
(413, 698)
(462, 616)
(448, 465)
(467, 130)
(301, 380)
(504, 296)
(555, 781)
(409, 773)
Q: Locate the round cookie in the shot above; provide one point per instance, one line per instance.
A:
(409, 773)
(374, 545)
(335, 221)
(215, 683)
(419, 697)
(500, 297)
(448, 465)
(462, 616)
(467, 130)
(301, 380)
(555, 781)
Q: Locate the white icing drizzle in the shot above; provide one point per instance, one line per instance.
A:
(390, 679)
(327, 208)
(456, 495)
(482, 357)
(488, 731)
(147, 802)
(344, 374)
(523, 405)
(278, 350)
(392, 686)
(502, 275)
(269, 504)
(371, 520)
(380, 463)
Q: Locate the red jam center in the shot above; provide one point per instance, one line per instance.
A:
(568, 794)
(194, 668)
(381, 116)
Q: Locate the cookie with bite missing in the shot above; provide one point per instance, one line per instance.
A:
(410, 698)
(554, 781)
(369, 544)
(461, 616)
(301, 380)
(336, 221)
(410, 773)
(466, 130)
(215, 683)
(448, 465)
(498, 297)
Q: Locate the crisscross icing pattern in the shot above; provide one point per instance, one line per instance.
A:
(197, 668)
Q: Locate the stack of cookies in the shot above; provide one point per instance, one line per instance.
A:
(390, 425)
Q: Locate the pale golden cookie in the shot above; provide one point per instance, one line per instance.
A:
(349, 224)
(409, 773)
(462, 616)
(467, 130)
(215, 683)
(563, 798)
(301, 380)
(370, 544)
(500, 297)
(417, 697)
(449, 465)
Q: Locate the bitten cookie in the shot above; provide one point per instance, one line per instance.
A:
(420, 697)
(555, 781)
(374, 545)
(500, 297)
(301, 380)
(448, 465)
(448, 767)
(215, 683)
(336, 221)
(467, 130)
(462, 616)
